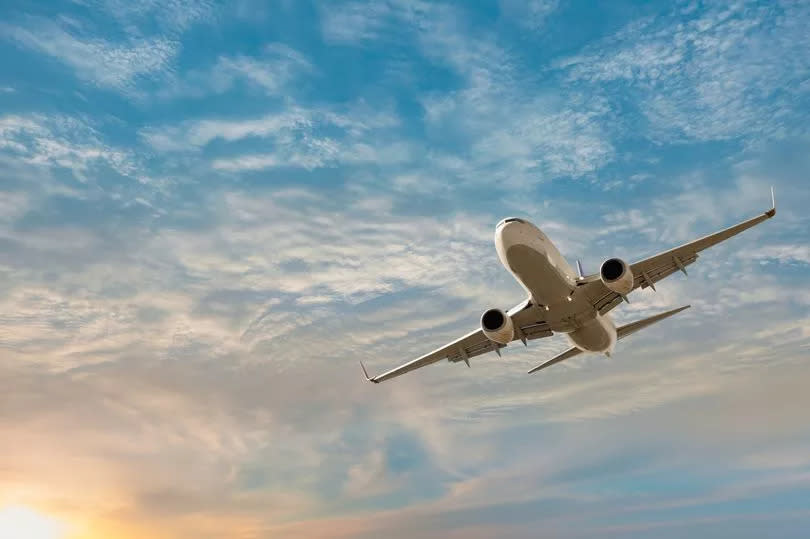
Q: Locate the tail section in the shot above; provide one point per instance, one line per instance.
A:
(571, 352)
(621, 332)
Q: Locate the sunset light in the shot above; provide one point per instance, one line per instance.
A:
(346, 269)
(17, 522)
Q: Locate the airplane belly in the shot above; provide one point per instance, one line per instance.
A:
(532, 268)
(596, 336)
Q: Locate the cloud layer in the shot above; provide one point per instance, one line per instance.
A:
(207, 218)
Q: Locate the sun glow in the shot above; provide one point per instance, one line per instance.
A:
(18, 522)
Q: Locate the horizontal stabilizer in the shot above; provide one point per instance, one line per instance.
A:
(632, 327)
(571, 352)
(621, 332)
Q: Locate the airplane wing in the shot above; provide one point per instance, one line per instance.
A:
(649, 271)
(527, 319)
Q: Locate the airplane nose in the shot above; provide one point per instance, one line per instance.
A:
(507, 233)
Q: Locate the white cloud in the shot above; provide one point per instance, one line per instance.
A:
(518, 134)
(104, 63)
(248, 162)
(168, 356)
(60, 141)
(203, 363)
(726, 72)
(273, 72)
(301, 137)
(355, 22)
(531, 13)
(784, 254)
(199, 133)
(293, 124)
(170, 16)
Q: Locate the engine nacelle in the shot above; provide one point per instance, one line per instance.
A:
(497, 326)
(617, 276)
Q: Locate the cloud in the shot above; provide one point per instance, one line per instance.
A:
(272, 72)
(293, 124)
(784, 254)
(166, 16)
(60, 141)
(318, 153)
(355, 22)
(531, 14)
(368, 478)
(516, 133)
(202, 364)
(101, 62)
(179, 351)
(301, 137)
(712, 74)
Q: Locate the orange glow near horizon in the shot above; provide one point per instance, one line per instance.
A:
(20, 522)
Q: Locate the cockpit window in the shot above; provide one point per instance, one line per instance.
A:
(513, 219)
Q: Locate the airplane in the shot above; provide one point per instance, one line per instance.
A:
(561, 301)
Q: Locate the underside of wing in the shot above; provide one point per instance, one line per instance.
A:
(527, 320)
(650, 270)
(645, 273)
(470, 345)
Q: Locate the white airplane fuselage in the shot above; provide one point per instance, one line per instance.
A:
(527, 253)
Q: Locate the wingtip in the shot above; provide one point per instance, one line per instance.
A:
(365, 373)
(772, 211)
(678, 309)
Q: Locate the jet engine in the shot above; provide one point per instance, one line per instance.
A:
(497, 326)
(617, 276)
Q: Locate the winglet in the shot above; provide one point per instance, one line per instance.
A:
(579, 270)
(772, 211)
(365, 373)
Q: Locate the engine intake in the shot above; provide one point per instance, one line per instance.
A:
(497, 326)
(617, 276)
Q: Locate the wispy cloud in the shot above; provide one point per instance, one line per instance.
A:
(512, 128)
(188, 278)
(60, 141)
(272, 73)
(532, 13)
(302, 137)
(784, 254)
(707, 75)
(101, 62)
(169, 17)
(354, 22)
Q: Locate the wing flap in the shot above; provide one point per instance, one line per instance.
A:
(536, 331)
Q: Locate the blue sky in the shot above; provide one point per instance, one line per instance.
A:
(209, 212)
